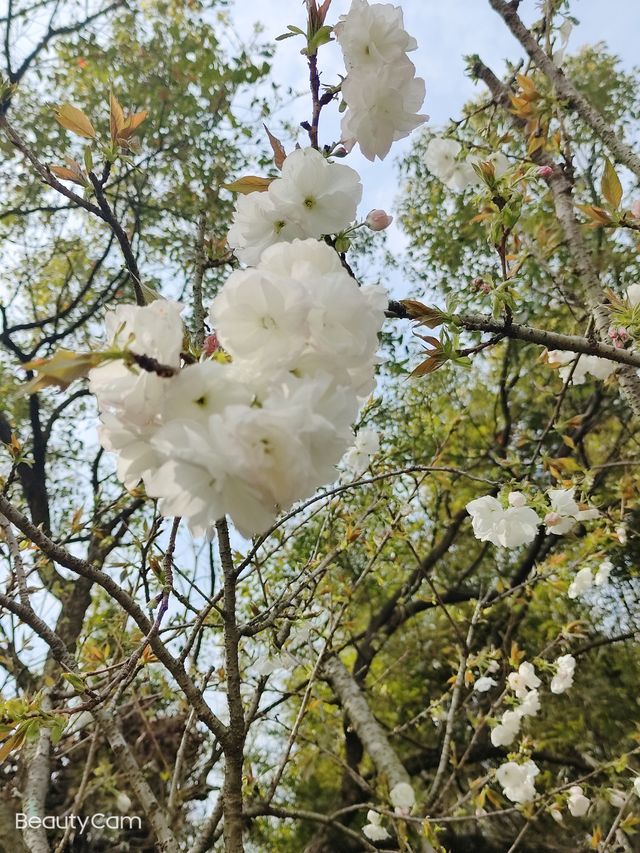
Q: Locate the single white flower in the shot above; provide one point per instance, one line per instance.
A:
(523, 680)
(507, 729)
(373, 830)
(633, 295)
(581, 583)
(369, 36)
(577, 803)
(518, 527)
(402, 797)
(440, 156)
(616, 797)
(508, 528)
(260, 316)
(155, 329)
(530, 705)
(484, 683)
(636, 785)
(123, 802)
(565, 511)
(259, 223)
(320, 197)
(599, 368)
(518, 780)
(356, 459)
(602, 575)
(563, 679)
(382, 106)
(621, 533)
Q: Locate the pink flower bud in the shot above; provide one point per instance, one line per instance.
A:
(211, 344)
(378, 220)
(545, 172)
(619, 336)
(635, 209)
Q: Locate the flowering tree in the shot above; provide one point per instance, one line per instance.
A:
(268, 595)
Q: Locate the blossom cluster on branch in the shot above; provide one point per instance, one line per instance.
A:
(517, 523)
(250, 436)
(312, 197)
(381, 91)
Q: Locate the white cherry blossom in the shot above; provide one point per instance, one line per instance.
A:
(508, 528)
(257, 224)
(530, 705)
(370, 35)
(518, 780)
(382, 107)
(507, 729)
(563, 679)
(523, 680)
(402, 797)
(577, 803)
(633, 295)
(356, 459)
(320, 197)
(599, 368)
(484, 683)
(581, 583)
(373, 829)
(602, 575)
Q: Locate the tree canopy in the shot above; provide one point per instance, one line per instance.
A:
(434, 650)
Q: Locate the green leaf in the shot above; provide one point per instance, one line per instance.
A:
(611, 186)
(75, 681)
(248, 184)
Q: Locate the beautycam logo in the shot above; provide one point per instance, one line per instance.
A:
(77, 823)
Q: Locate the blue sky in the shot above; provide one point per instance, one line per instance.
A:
(446, 30)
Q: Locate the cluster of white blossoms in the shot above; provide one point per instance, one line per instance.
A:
(585, 579)
(507, 527)
(250, 437)
(518, 780)
(565, 671)
(598, 368)
(356, 459)
(403, 798)
(524, 683)
(442, 158)
(517, 523)
(381, 91)
(311, 198)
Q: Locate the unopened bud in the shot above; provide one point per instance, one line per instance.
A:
(211, 344)
(619, 335)
(378, 220)
(517, 499)
(545, 172)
